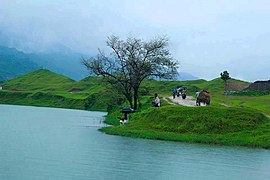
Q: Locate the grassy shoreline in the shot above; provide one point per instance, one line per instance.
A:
(141, 123)
(48, 89)
(215, 125)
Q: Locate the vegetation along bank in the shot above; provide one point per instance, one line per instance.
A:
(242, 123)
(210, 125)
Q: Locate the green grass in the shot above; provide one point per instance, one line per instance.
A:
(211, 125)
(43, 99)
(261, 103)
(251, 93)
(42, 80)
(48, 89)
(98, 95)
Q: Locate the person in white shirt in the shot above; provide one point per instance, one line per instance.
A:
(157, 101)
(197, 94)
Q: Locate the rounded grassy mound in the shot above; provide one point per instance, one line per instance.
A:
(213, 125)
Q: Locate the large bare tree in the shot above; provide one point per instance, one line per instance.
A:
(132, 61)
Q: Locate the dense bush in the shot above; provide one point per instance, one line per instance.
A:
(250, 93)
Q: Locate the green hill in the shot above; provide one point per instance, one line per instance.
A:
(95, 94)
(45, 80)
(216, 86)
(211, 125)
(91, 84)
(41, 80)
(45, 88)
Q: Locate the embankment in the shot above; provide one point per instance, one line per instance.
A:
(58, 100)
(211, 125)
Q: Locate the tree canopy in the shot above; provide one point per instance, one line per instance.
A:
(225, 76)
(131, 61)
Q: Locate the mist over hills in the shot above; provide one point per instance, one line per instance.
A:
(59, 59)
(62, 60)
(183, 76)
(19, 56)
(14, 63)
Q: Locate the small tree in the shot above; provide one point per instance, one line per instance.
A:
(225, 76)
(132, 61)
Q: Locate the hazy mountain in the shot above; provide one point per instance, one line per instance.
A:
(59, 59)
(56, 57)
(14, 63)
(183, 76)
(62, 60)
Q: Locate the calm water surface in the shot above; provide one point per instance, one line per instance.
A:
(48, 143)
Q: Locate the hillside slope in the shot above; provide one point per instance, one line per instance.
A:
(215, 86)
(42, 80)
(46, 88)
(211, 125)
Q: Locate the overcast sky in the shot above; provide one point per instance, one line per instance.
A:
(206, 36)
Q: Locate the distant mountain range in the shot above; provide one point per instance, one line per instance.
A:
(183, 76)
(14, 63)
(60, 60)
(65, 62)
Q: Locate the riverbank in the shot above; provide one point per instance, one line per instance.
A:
(45, 88)
(82, 101)
(210, 125)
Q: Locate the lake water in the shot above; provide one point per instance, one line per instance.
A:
(48, 143)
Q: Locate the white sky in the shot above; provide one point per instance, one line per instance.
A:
(206, 36)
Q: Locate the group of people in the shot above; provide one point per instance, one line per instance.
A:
(179, 91)
(124, 120)
(176, 92)
(126, 111)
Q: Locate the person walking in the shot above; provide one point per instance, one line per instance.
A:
(174, 93)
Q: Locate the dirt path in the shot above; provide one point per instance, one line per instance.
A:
(267, 116)
(189, 101)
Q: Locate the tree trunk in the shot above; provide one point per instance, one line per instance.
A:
(136, 98)
(130, 102)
